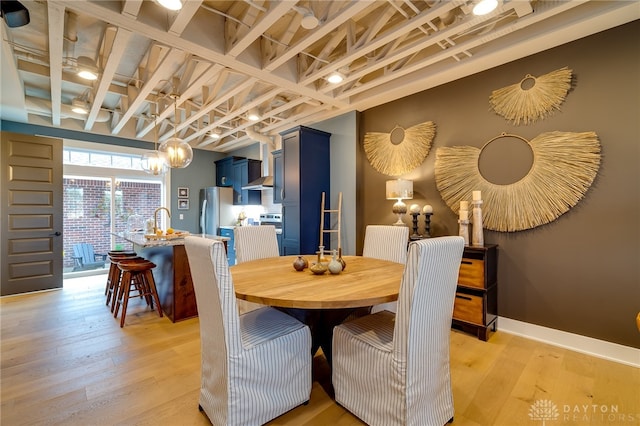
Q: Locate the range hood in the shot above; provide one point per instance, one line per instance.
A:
(265, 181)
(262, 182)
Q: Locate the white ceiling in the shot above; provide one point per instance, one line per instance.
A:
(222, 58)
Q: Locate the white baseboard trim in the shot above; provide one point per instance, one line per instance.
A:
(575, 342)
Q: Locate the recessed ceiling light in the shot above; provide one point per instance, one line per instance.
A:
(87, 68)
(253, 115)
(485, 6)
(171, 4)
(309, 21)
(335, 77)
(79, 107)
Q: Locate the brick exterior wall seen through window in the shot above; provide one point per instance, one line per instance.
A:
(87, 205)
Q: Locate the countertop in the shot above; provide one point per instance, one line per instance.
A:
(139, 239)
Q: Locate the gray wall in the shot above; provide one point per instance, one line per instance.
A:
(344, 145)
(199, 174)
(581, 272)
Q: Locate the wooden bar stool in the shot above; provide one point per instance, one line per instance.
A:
(118, 289)
(113, 268)
(136, 277)
(113, 277)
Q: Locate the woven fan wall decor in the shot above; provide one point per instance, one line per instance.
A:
(533, 98)
(564, 167)
(396, 158)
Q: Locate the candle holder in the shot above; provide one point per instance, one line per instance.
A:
(463, 220)
(477, 236)
(415, 235)
(464, 230)
(427, 224)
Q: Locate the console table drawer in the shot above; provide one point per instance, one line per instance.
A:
(471, 273)
(468, 307)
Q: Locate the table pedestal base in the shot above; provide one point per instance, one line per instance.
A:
(321, 323)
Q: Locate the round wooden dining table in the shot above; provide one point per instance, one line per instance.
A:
(273, 281)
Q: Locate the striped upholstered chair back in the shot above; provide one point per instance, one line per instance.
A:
(254, 367)
(386, 242)
(394, 369)
(255, 242)
(425, 308)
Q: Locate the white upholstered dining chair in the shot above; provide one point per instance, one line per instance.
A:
(394, 369)
(255, 242)
(252, 243)
(386, 242)
(255, 366)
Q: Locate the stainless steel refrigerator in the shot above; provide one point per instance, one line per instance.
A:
(215, 209)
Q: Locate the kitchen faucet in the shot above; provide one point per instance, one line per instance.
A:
(155, 217)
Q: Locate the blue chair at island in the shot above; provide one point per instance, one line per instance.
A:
(85, 258)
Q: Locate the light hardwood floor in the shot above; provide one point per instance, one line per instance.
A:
(66, 361)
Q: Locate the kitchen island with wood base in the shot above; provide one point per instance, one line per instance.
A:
(171, 274)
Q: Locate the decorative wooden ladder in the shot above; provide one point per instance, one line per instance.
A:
(323, 212)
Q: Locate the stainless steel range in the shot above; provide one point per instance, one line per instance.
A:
(274, 219)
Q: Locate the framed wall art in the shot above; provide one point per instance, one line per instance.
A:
(183, 192)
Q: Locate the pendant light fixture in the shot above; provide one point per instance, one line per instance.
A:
(155, 162)
(179, 153)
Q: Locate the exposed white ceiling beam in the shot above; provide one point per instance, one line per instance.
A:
(185, 15)
(468, 45)
(55, 15)
(239, 111)
(131, 8)
(207, 75)
(113, 57)
(272, 15)
(158, 74)
(364, 46)
(249, 82)
(97, 11)
(326, 28)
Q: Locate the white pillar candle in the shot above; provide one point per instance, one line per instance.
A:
(477, 196)
(427, 209)
(464, 214)
(464, 205)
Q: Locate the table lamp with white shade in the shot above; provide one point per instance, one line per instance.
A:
(399, 189)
